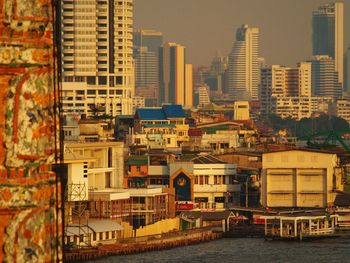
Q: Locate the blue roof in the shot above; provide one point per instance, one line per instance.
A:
(150, 114)
(173, 111)
(166, 112)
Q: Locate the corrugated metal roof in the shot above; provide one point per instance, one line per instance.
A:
(173, 111)
(207, 159)
(150, 114)
(166, 112)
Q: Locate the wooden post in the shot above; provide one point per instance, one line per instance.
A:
(265, 226)
(295, 227)
(281, 227)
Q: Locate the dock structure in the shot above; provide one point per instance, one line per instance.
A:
(299, 227)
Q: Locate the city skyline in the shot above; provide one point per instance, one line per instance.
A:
(202, 49)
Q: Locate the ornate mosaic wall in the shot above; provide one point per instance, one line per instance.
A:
(30, 229)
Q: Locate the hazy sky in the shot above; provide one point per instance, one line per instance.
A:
(204, 26)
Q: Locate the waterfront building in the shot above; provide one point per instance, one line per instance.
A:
(204, 182)
(325, 77)
(300, 178)
(328, 34)
(106, 165)
(172, 74)
(243, 69)
(96, 50)
(160, 127)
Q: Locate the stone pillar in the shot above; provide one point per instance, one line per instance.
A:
(30, 228)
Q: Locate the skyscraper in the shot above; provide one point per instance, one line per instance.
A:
(97, 63)
(243, 70)
(328, 34)
(172, 73)
(151, 39)
(347, 72)
(324, 77)
(189, 85)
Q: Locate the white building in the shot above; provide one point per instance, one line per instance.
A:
(203, 96)
(243, 70)
(341, 108)
(300, 178)
(97, 63)
(107, 168)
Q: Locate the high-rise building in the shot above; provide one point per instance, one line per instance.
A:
(243, 70)
(189, 85)
(328, 34)
(172, 73)
(151, 39)
(146, 51)
(146, 68)
(97, 63)
(347, 72)
(305, 79)
(324, 77)
(281, 82)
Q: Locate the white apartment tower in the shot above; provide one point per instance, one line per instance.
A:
(243, 70)
(96, 50)
(328, 34)
(281, 82)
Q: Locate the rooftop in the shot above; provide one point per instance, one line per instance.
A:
(163, 113)
(207, 159)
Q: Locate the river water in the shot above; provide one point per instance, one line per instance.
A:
(247, 250)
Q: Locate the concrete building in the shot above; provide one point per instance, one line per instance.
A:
(328, 34)
(97, 63)
(107, 168)
(280, 81)
(305, 79)
(325, 77)
(211, 183)
(300, 178)
(241, 110)
(203, 96)
(299, 107)
(172, 73)
(341, 108)
(243, 69)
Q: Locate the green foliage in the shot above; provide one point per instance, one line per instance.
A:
(307, 126)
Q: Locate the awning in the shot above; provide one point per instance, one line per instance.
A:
(103, 225)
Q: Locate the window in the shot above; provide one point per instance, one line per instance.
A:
(107, 235)
(206, 179)
(101, 236)
(94, 236)
(138, 169)
(102, 80)
(119, 80)
(196, 180)
(201, 181)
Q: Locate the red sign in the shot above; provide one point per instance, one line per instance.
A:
(184, 206)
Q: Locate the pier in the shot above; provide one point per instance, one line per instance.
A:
(299, 227)
(151, 243)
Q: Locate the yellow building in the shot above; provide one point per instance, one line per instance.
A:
(241, 111)
(107, 168)
(300, 178)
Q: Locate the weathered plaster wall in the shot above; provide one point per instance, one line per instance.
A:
(30, 228)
